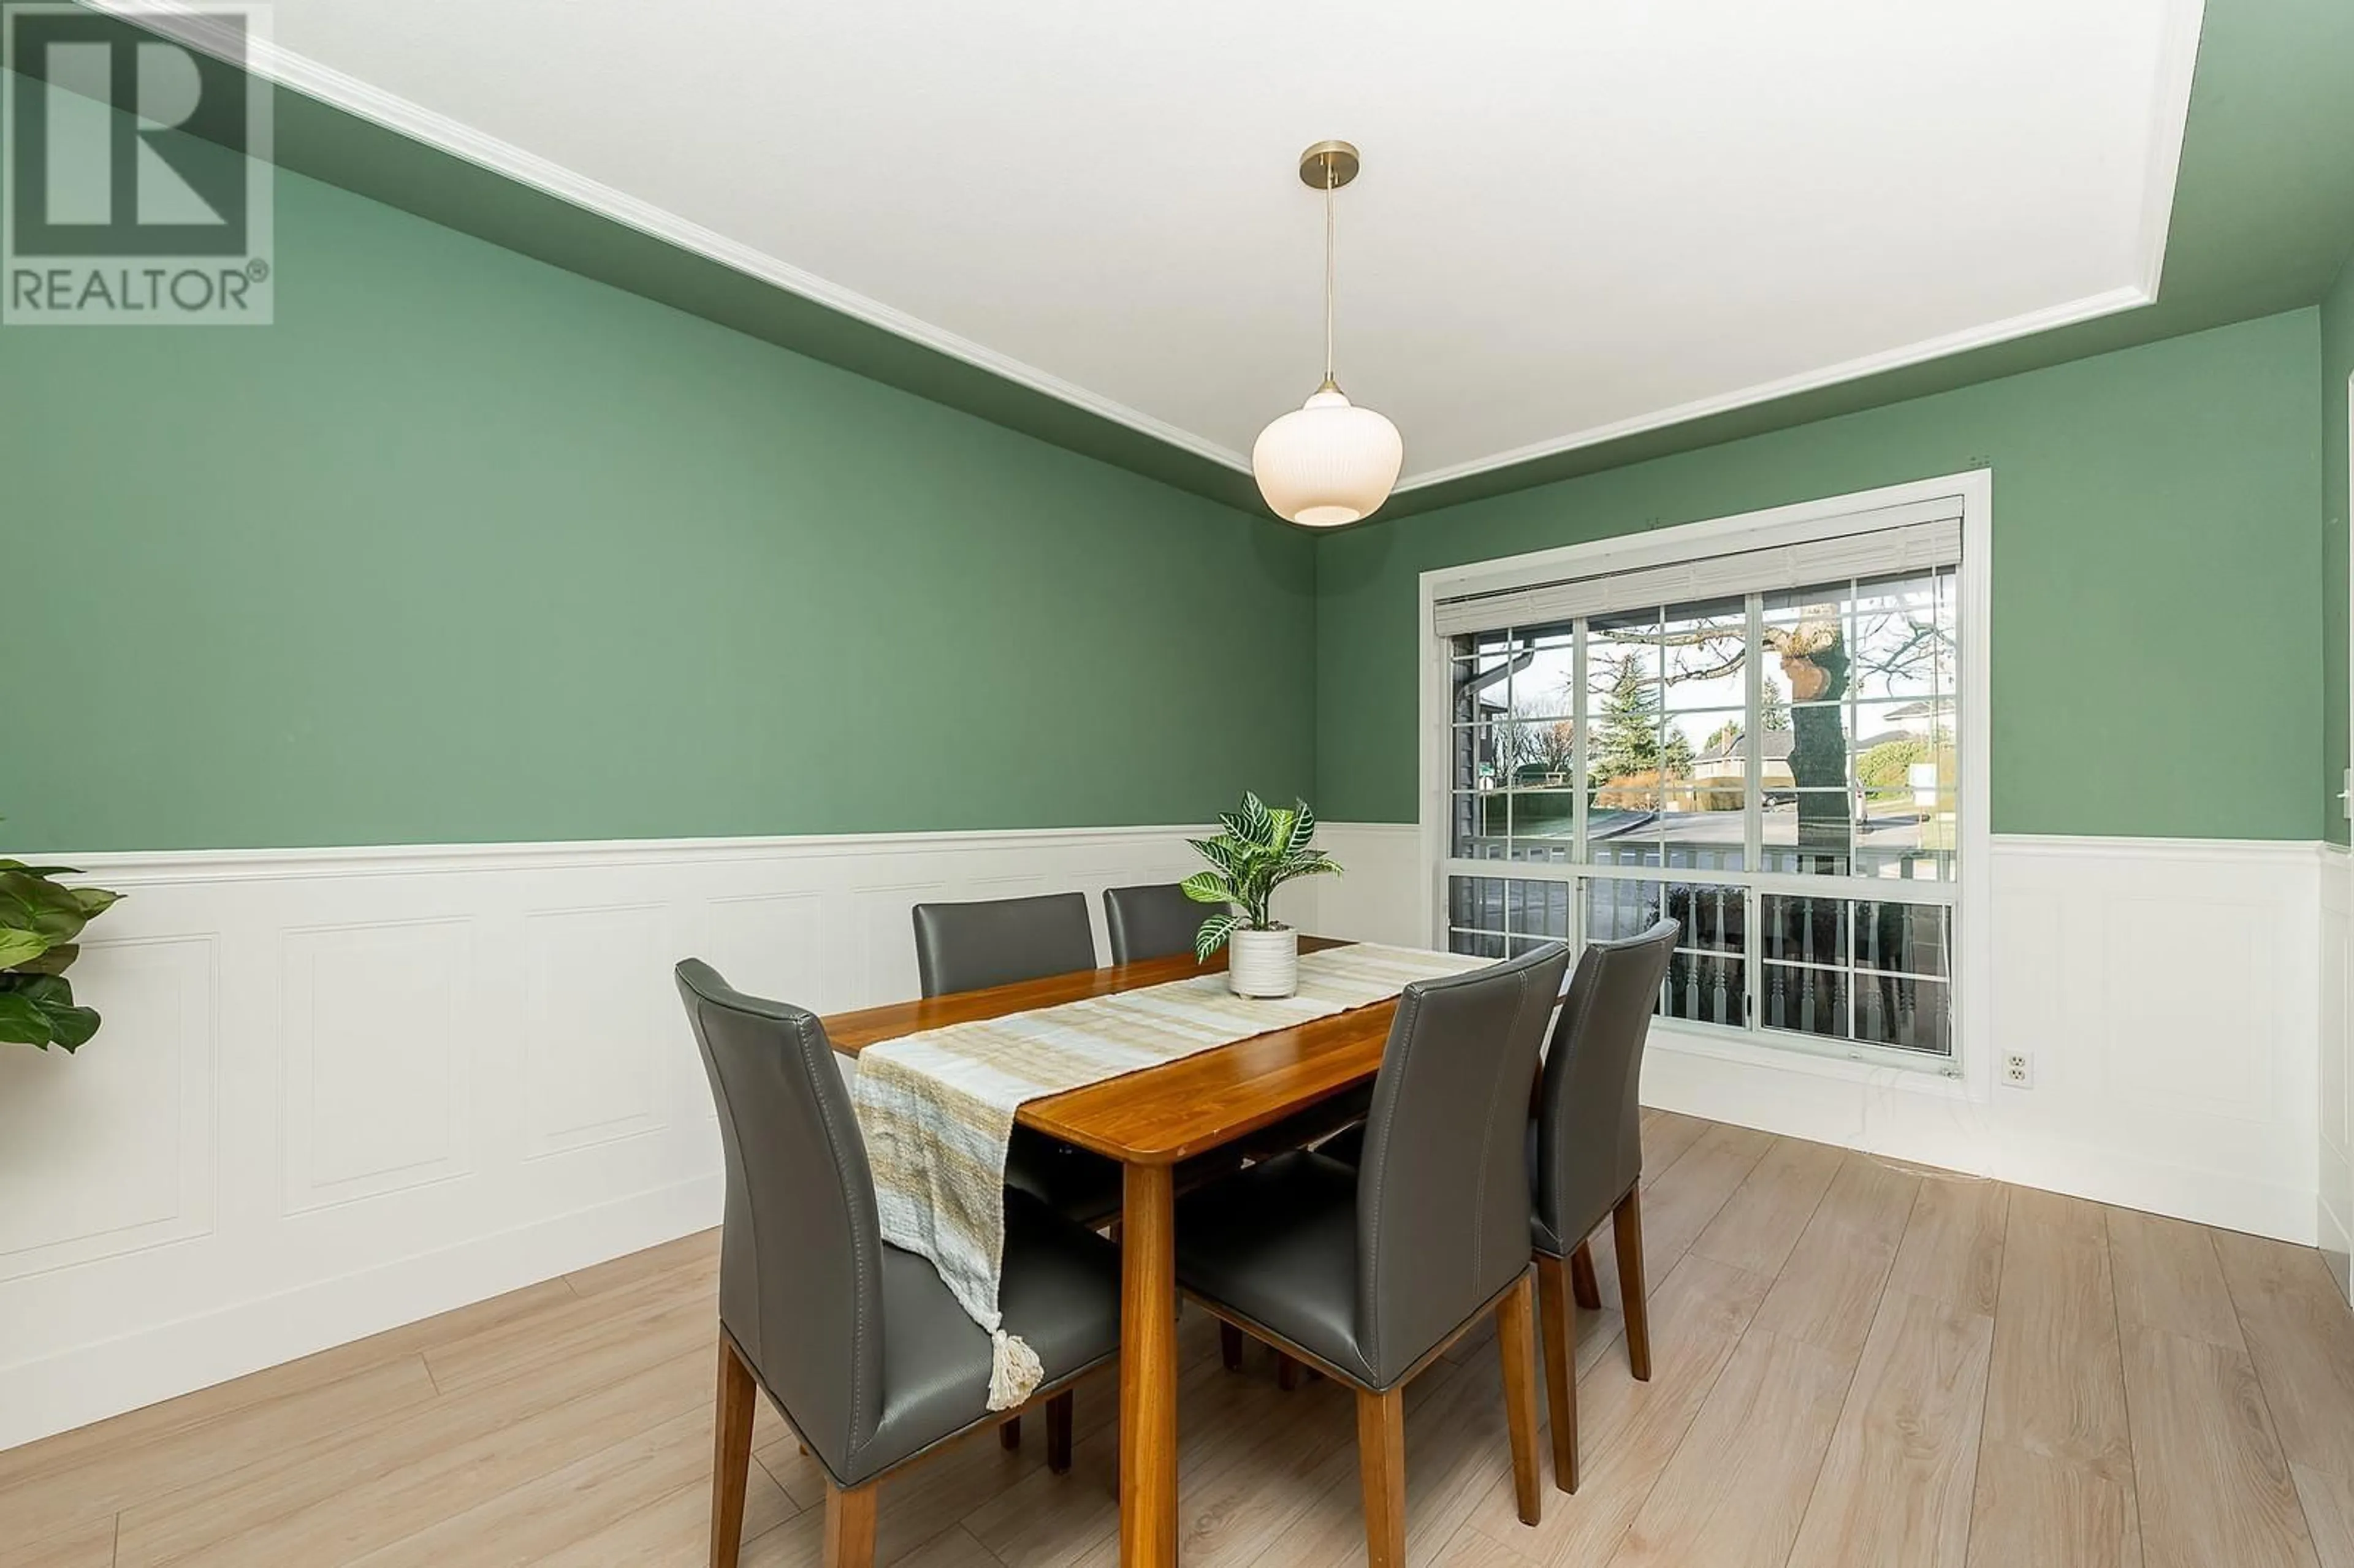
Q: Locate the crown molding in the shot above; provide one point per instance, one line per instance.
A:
(286, 68)
(2170, 110)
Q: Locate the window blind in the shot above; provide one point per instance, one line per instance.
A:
(1879, 552)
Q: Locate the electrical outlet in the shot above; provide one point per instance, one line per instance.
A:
(2018, 1071)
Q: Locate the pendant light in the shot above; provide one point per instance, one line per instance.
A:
(1328, 461)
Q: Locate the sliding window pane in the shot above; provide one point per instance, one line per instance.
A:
(1619, 908)
(1536, 912)
(1481, 824)
(1905, 1011)
(1806, 656)
(1870, 971)
(1906, 771)
(1704, 655)
(1809, 832)
(1545, 684)
(1904, 939)
(1904, 636)
(1704, 989)
(1622, 826)
(1476, 944)
(1804, 1000)
(1804, 928)
(1705, 978)
(1623, 706)
(1475, 915)
(1712, 915)
(1701, 826)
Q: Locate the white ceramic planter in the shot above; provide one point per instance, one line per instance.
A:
(1263, 963)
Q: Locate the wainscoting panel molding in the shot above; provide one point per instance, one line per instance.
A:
(339, 1090)
(2169, 994)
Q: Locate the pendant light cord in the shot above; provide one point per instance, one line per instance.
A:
(1329, 188)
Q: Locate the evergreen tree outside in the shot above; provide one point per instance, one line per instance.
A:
(1627, 736)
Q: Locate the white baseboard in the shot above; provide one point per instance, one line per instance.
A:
(337, 1090)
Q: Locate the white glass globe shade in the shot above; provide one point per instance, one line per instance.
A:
(1328, 461)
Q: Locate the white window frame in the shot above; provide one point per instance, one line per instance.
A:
(1969, 1072)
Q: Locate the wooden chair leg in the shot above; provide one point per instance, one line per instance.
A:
(849, 1526)
(1058, 1433)
(1381, 1469)
(1230, 1347)
(731, 1454)
(1287, 1373)
(1627, 1235)
(1580, 1277)
(1516, 1343)
(1559, 1323)
(1009, 1433)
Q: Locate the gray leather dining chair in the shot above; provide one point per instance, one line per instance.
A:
(857, 1343)
(1158, 921)
(1004, 942)
(1586, 1160)
(1368, 1274)
(1154, 921)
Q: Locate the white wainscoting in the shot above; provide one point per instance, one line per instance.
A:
(2169, 993)
(2334, 1217)
(341, 1090)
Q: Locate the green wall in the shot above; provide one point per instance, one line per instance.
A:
(2336, 365)
(2157, 637)
(466, 547)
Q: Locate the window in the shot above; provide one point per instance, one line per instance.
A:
(1768, 751)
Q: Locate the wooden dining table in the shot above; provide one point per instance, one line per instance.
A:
(1148, 1121)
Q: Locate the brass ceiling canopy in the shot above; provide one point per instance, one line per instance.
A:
(1328, 165)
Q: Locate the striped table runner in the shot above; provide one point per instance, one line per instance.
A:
(937, 1107)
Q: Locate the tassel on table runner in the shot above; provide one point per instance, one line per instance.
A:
(1014, 1370)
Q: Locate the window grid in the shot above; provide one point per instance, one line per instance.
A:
(1498, 753)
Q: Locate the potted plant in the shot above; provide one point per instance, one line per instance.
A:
(1263, 847)
(39, 920)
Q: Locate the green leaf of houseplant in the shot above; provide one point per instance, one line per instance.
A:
(19, 948)
(1281, 822)
(30, 903)
(1207, 888)
(56, 961)
(51, 997)
(21, 1023)
(71, 1027)
(1214, 933)
(94, 901)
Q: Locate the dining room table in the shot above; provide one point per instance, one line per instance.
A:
(1148, 1121)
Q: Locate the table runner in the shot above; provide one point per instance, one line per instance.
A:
(937, 1108)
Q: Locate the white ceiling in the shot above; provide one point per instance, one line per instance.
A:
(1575, 220)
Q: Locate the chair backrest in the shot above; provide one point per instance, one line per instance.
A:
(1442, 1190)
(1154, 922)
(800, 1258)
(970, 946)
(1589, 1124)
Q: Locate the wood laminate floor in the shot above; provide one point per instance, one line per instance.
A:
(1855, 1364)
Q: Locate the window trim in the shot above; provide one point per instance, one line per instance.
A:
(1971, 1068)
